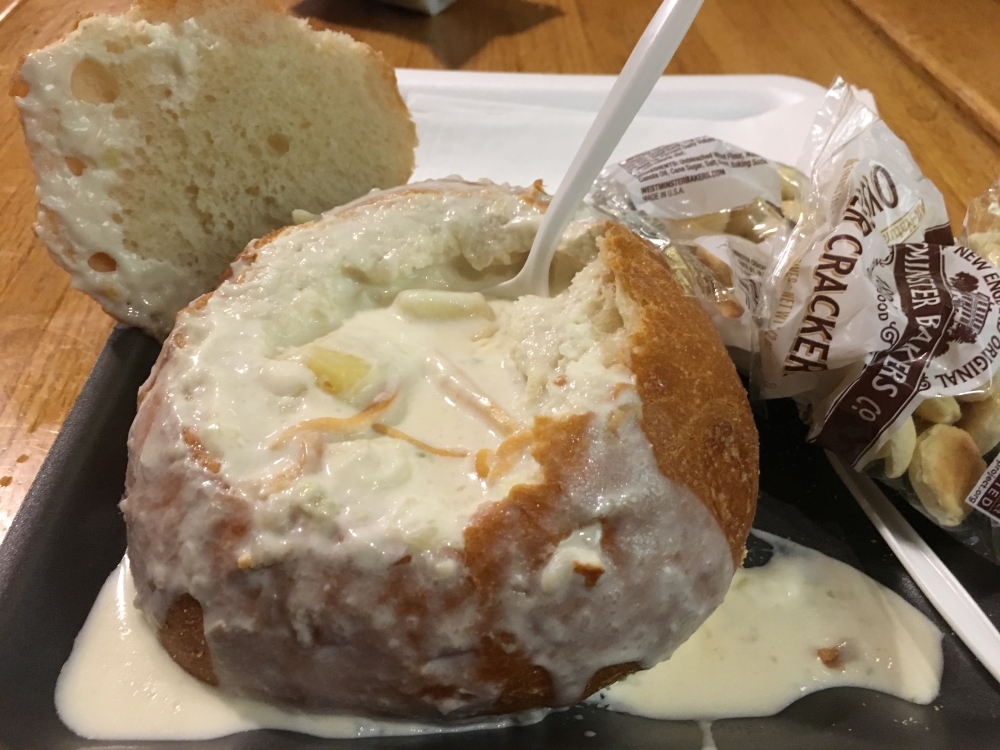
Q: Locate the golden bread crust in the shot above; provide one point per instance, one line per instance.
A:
(536, 516)
(18, 86)
(183, 637)
(694, 408)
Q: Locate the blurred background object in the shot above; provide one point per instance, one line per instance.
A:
(454, 38)
(430, 7)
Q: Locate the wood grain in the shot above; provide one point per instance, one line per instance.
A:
(51, 334)
(947, 41)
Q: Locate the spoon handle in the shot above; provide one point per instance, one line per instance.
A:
(949, 597)
(642, 70)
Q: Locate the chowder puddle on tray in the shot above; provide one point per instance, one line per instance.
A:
(799, 623)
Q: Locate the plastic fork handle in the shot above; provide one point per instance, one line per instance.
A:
(642, 70)
(949, 597)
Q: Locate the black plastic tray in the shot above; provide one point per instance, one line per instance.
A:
(69, 535)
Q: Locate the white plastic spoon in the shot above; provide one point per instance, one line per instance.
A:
(938, 583)
(641, 72)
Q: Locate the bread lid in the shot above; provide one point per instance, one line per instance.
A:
(165, 139)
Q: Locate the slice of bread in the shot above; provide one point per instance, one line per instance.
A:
(166, 139)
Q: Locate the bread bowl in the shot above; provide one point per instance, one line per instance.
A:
(349, 493)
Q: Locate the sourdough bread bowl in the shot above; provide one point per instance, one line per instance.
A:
(165, 139)
(357, 485)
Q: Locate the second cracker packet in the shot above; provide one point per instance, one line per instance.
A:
(840, 284)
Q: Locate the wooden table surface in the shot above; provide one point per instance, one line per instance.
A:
(930, 65)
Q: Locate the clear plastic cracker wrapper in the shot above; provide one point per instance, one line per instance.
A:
(840, 284)
(720, 215)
